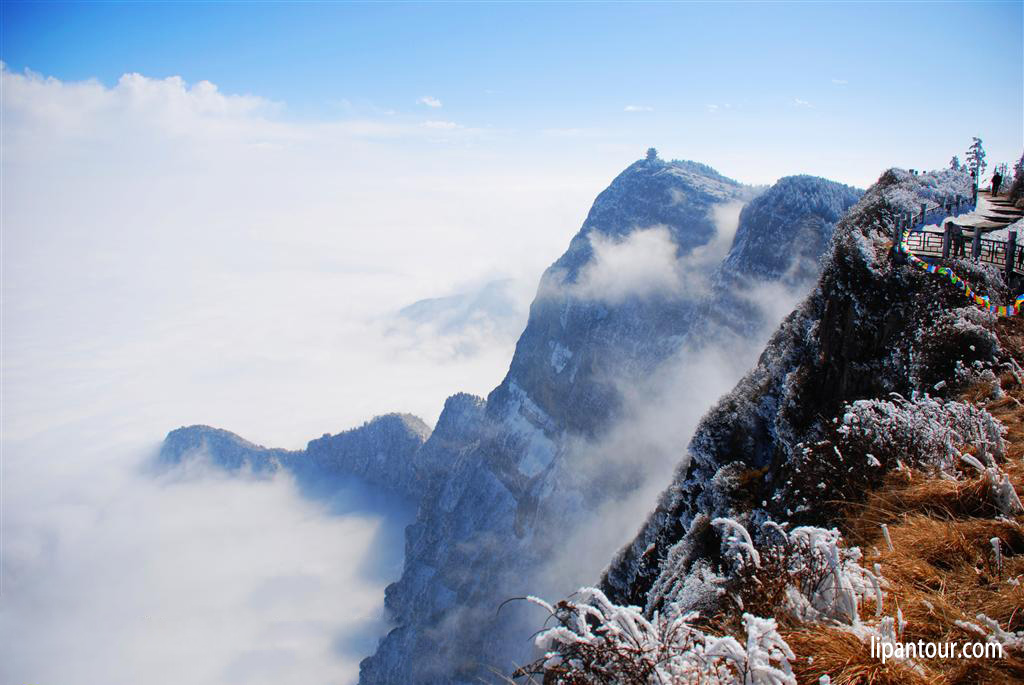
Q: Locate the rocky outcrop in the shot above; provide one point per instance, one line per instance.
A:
(226, 449)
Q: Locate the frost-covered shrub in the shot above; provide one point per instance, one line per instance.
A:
(804, 572)
(595, 641)
(924, 432)
(957, 337)
(875, 436)
(906, 192)
(1003, 493)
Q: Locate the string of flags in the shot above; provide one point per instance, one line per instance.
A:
(981, 300)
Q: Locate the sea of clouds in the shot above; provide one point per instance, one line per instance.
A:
(174, 255)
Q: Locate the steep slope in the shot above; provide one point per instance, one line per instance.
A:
(474, 541)
(774, 258)
(855, 498)
(866, 331)
(786, 230)
(588, 321)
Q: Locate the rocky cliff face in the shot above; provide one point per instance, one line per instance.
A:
(866, 331)
(586, 322)
(775, 256)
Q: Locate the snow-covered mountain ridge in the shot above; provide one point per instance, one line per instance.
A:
(381, 452)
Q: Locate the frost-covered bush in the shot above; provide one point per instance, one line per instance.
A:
(595, 641)
(957, 337)
(924, 432)
(906, 191)
(1003, 493)
(875, 436)
(804, 572)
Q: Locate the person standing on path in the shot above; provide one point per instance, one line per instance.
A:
(997, 180)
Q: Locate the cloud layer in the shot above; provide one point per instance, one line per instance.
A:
(646, 262)
(194, 576)
(175, 255)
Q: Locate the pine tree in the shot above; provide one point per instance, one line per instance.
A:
(954, 163)
(975, 158)
(1017, 186)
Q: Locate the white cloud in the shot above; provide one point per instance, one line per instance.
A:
(441, 125)
(638, 108)
(801, 103)
(177, 255)
(195, 576)
(642, 264)
(646, 263)
(840, 81)
(712, 108)
(429, 101)
(478, 320)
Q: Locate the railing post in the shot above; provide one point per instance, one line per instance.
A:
(947, 239)
(924, 212)
(976, 245)
(1011, 255)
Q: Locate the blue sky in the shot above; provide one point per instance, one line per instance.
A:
(858, 85)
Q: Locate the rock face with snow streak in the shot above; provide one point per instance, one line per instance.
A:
(474, 542)
(867, 330)
(781, 237)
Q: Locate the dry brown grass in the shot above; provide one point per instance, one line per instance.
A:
(845, 657)
(942, 567)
